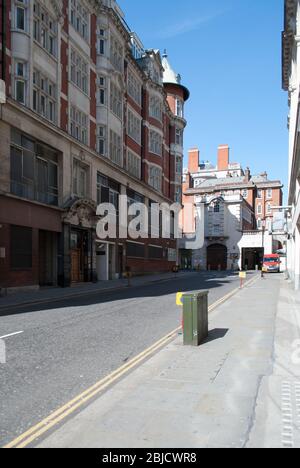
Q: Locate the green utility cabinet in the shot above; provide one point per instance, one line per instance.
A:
(195, 318)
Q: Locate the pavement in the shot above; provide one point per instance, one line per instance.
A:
(58, 349)
(240, 389)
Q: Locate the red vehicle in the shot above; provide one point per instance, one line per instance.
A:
(271, 263)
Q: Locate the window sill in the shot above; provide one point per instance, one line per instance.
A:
(155, 154)
(86, 40)
(79, 89)
(53, 57)
(138, 142)
(156, 118)
(20, 31)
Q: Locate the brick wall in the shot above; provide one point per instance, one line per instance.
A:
(17, 278)
(5, 71)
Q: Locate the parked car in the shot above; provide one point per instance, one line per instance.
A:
(271, 263)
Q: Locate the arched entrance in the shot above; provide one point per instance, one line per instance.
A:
(217, 257)
(80, 218)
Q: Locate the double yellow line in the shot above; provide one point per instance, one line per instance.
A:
(232, 293)
(62, 413)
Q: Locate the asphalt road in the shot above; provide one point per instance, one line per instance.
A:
(66, 347)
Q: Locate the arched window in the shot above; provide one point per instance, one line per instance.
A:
(217, 207)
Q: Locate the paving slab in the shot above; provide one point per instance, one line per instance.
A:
(189, 397)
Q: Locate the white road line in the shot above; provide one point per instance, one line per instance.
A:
(12, 334)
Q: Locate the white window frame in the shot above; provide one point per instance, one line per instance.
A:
(179, 137)
(102, 140)
(45, 89)
(102, 91)
(134, 126)
(155, 178)
(80, 174)
(115, 148)
(155, 108)
(79, 125)
(155, 143)
(116, 101)
(102, 41)
(134, 88)
(269, 208)
(133, 164)
(116, 54)
(43, 21)
(79, 71)
(179, 111)
(21, 79)
(80, 19)
(21, 5)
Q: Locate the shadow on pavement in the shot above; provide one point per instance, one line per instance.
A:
(216, 334)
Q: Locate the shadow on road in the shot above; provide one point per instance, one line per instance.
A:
(195, 282)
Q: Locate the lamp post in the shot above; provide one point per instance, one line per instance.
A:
(263, 245)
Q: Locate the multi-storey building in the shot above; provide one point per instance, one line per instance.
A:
(236, 210)
(89, 115)
(291, 84)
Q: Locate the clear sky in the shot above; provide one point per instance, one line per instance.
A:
(228, 53)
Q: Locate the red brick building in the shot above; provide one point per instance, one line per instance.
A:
(238, 211)
(90, 115)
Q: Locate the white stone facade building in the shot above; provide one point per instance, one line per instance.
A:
(291, 84)
(235, 210)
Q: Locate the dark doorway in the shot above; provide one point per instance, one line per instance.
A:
(120, 261)
(217, 257)
(252, 259)
(47, 258)
(186, 259)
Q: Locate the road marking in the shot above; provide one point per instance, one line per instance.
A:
(12, 334)
(62, 413)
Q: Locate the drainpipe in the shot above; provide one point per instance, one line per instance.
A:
(3, 37)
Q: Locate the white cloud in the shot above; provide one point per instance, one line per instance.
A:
(187, 26)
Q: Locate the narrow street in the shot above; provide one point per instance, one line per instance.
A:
(66, 347)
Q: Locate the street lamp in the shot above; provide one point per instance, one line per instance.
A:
(263, 224)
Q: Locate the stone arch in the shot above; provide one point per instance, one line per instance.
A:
(217, 257)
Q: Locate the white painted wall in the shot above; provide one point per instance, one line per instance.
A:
(294, 90)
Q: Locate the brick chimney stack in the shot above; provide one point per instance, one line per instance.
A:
(194, 156)
(247, 175)
(223, 158)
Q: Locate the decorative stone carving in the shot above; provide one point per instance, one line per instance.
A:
(81, 213)
(58, 8)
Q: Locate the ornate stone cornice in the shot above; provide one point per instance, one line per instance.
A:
(288, 38)
(58, 8)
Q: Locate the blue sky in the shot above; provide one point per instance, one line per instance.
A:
(229, 55)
